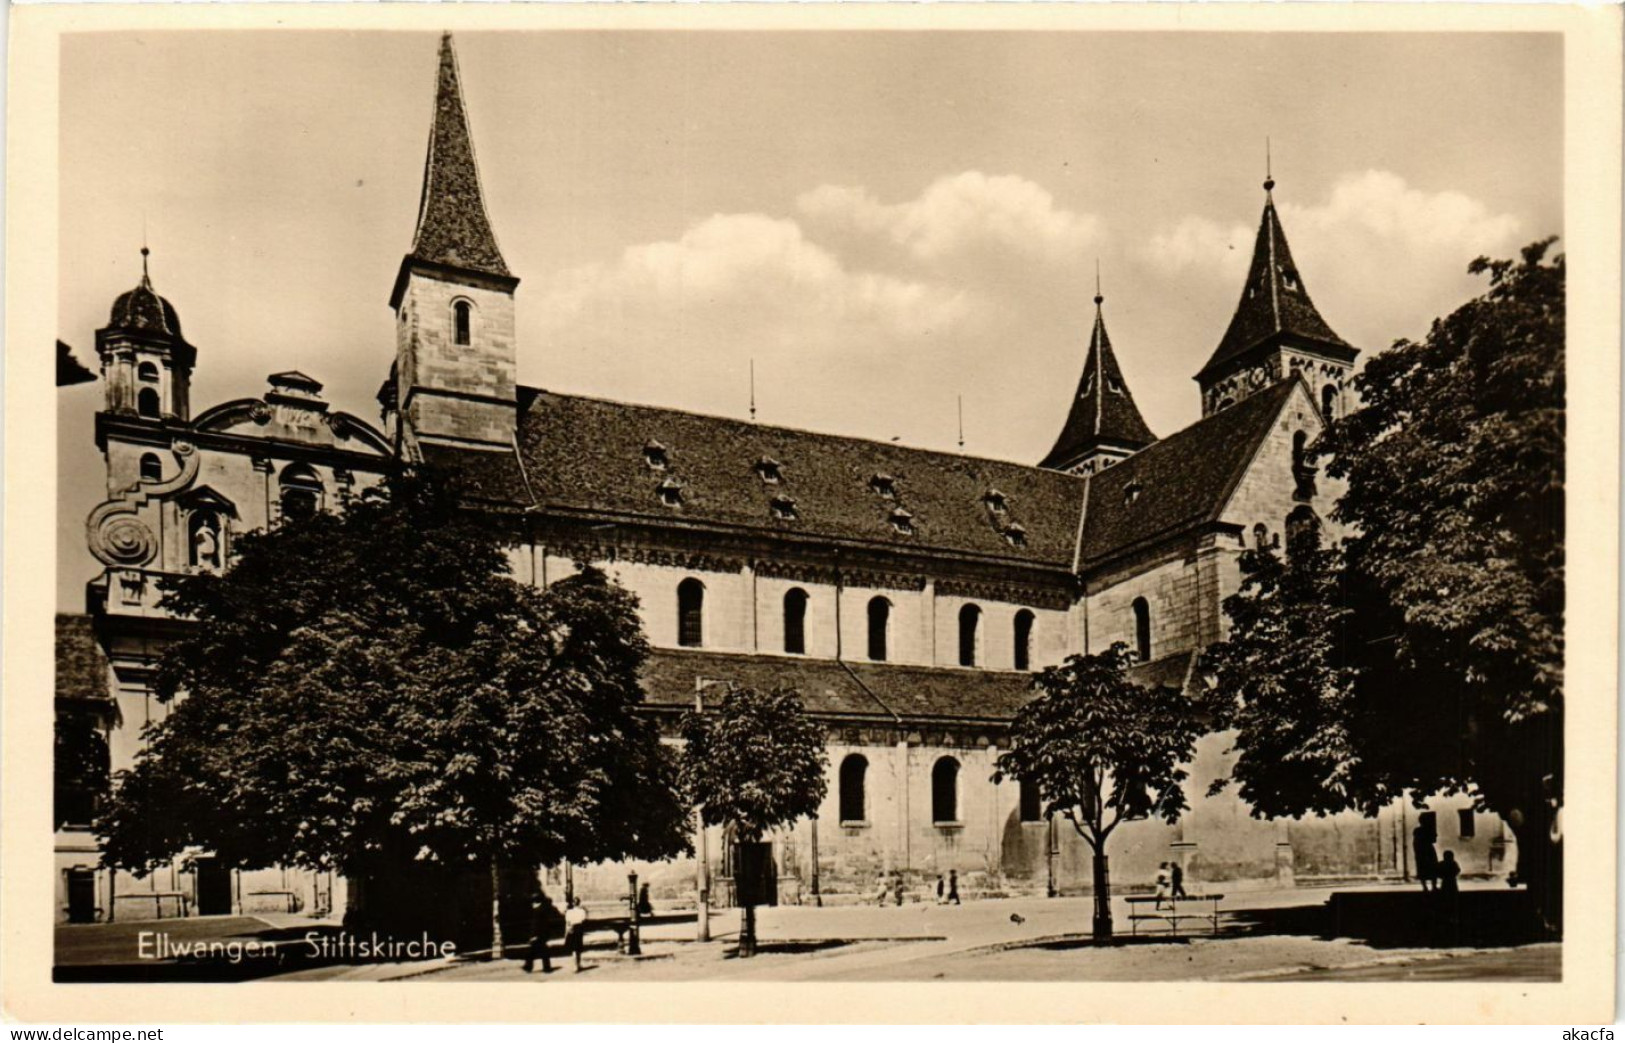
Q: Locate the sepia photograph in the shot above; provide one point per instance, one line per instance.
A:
(652, 505)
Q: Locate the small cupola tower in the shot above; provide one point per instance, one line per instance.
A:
(453, 379)
(1104, 425)
(1276, 332)
(146, 362)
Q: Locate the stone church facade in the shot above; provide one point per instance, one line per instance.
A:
(906, 593)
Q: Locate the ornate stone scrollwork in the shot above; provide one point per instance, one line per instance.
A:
(260, 413)
(116, 534)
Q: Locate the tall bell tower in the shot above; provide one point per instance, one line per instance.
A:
(455, 360)
(1276, 332)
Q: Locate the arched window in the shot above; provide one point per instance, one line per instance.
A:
(301, 491)
(945, 790)
(795, 621)
(147, 372)
(970, 634)
(462, 315)
(854, 803)
(1328, 401)
(690, 613)
(1024, 639)
(1261, 535)
(879, 624)
(205, 544)
(151, 469)
(1032, 802)
(1142, 630)
(146, 402)
(1300, 441)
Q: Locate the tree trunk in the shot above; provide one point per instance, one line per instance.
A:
(1103, 899)
(747, 932)
(496, 910)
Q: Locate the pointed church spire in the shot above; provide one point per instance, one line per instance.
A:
(1274, 303)
(1104, 422)
(453, 227)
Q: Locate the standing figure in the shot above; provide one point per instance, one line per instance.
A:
(953, 886)
(940, 895)
(1427, 862)
(1164, 881)
(1447, 871)
(897, 888)
(1176, 879)
(575, 930)
(882, 891)
(645, 907)
(542, 913)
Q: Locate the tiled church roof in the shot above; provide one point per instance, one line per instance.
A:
(1274, 300)
(1103, 411)
(453, 228)
(1183, 480)
(595, 455)
(857, 689)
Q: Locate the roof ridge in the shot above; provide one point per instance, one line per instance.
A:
(795, 430)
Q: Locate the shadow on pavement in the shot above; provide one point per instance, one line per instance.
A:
(1403, 919)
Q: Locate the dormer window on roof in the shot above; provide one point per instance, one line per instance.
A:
(654, 454)
(884, 486)
(769, 470)
(670, 492)
(784, 508)
(996, 501)
(1131, 492)
(1016, 535)
(902, 522)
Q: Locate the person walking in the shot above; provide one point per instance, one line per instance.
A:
(953, 886)
(1163, 883)
(940, 893)
(897, 888)
(882, 891)
(542, 914)
(1176, 880)
(1427, 862)
(575, 930)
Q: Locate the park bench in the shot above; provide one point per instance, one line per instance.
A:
(1197, 907)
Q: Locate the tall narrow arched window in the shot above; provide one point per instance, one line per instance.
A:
(462, 317)
(151, 469)
(1300, 442)
(146, 402)
(1032, 802)
(301, 491)
(1142, 630)
(970, 634)
(1328, 401)
(879, 624)
(1024, 640)
(945, 790)
(795, 621)
(691, 613)
(854, 802)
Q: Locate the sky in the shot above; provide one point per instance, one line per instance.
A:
(882, 222)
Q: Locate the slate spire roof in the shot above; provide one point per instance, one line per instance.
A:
(1103, 411)
(1274, 301)
(453, 227)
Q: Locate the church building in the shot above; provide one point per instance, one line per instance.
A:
(906, 593)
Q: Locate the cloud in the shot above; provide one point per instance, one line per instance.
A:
(960, 214)
(1196, 242)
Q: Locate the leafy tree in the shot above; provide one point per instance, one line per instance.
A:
(371, 688)
(757, 762)
(1102, 751)
(1425, 654)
